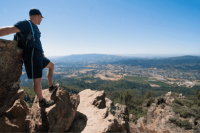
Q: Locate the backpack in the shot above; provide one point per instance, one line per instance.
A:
(22, 41)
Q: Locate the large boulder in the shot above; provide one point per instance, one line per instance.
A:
(98, 114)
(14, 119)
(58, 117)
(13, 110)
(10, 72)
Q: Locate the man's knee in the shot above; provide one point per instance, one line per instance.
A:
(50, 65)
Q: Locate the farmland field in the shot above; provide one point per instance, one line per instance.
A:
(158, 83)
(144, 80)
(137, 79)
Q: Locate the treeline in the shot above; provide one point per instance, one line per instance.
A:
(113, 89)
(76, 85)
(183, 63)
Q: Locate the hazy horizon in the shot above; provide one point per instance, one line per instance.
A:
(135, 55)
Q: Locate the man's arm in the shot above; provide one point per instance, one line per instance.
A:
(8, 30)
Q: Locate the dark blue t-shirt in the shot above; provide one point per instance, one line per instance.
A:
(25, 28)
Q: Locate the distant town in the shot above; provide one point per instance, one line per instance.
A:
(152, 76)
(100, 66)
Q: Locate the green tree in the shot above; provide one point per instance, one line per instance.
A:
(128, 98)
(148, 95)
(197, 99)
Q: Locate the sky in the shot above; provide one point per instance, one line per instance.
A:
(114, 27)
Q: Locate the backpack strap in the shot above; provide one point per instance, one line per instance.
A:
(32, 31)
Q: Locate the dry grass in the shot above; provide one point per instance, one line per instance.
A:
(110, 66)
(85, 70)
(116, 77)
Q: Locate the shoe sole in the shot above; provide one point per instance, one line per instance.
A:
(57, 85)
(42, 106)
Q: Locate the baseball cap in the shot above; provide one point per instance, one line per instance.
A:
(35, 11)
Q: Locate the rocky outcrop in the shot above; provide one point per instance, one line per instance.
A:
(160, 111)
(14, 119)
(10, 72)
(98, 114)
(58, 117)
(13, 110)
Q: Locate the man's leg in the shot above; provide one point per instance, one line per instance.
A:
(38, 88)
(50, 73)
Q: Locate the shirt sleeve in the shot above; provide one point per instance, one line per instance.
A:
(23, 26)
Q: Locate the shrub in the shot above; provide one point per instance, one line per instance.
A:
(173, 120)
(178, 102)
(135, 120)
(148, 95)
(196, 129)
(150, 101)
(176, 106)
(174, 94)
(141, 114)
(183, 111)
(185, 123)
(160, 100)
(188, 103)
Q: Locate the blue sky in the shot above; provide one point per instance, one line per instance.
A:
(111, 26)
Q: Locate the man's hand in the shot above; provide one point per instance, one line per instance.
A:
(8, 30)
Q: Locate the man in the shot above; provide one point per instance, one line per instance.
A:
(34, 59)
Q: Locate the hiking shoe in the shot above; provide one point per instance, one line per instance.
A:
(46, 103)
(53, 88)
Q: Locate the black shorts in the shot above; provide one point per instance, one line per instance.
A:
(34, 64)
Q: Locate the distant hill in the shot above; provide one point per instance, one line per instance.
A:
(88, 58)
(182, 62)
(187, 62)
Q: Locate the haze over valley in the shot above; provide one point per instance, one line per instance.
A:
(157, 72)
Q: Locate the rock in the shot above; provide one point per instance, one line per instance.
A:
(132, 117)
(79, 123)
(122, 116)
(10, 72)
(101, 117)
(7, 126)
(147, 103)
(158, 117)
(19, 108)
(99, 100)
(13, 109)
(14, 119)
(19, 95)
(58, 117)
(109, 103)
(27, 126)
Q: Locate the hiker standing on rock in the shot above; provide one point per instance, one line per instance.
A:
(33, 57)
